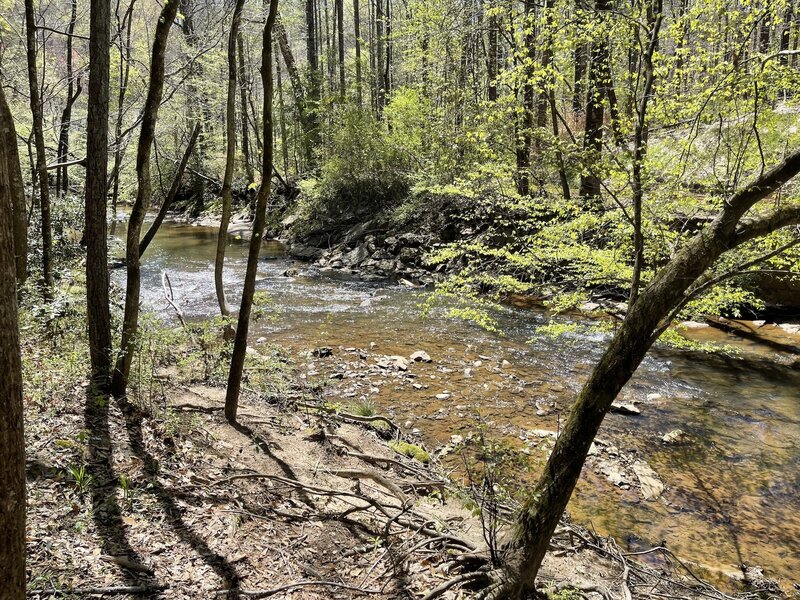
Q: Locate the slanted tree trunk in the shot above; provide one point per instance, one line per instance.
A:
(97, 280)
(644, 323)
(243, 326)
(230, 157)
(12, 439)
(16, 188)
(173, 191)
(130, 322)
(244, 90)
(298, 91)
(62, 175)
(41, 159)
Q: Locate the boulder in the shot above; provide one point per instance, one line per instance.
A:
(356, 256)
(357, 232)
(304, 252)
(625, 408)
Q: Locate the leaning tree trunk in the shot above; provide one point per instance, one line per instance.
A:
(97, 280)
(130, 321)
(12, 439)
(172, 193)
(16, 188)
(645, 321)
(242, 328)
(41, 159)
(230, 157)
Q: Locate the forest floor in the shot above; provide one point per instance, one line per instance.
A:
(172, 501)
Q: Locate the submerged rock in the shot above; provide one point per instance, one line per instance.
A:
(625, 408)
(652, 486)
(676, 435)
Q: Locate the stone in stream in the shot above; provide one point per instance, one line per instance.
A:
(322, 352)
(625, 408)
(421, 356)
(791, 328)
(676, 435)
(652, 486)
(443, 396)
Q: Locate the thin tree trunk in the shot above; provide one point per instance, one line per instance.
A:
(130, 322)
(526, 121)
(314, 85)
(284, 139)
(41, 159)
(380, 83)
(12, 438)
(62, 176)
(491, 56)
(97, 279)
(244, 90)
(243, 326)
(340, 28)
(124, 75)
(230, 157)
(357, 32)
(16, 187)
(173, 191)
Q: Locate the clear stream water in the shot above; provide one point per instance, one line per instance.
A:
(733, 489)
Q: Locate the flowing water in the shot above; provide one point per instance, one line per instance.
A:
(733, 488)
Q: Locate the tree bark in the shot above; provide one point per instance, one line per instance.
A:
(526, 121)
(173, 191)
(97, 279)
(16, 188)
(41, 159)
(314, 86)
(240, 343)
(491, 56)
(12, 439)
(380, 84)
(62, 175)
(357, 32)
(282, 124)
(244, 90)
(230, 157)
(340, 29)
(645, 321)
(124, 75)
(130, 322)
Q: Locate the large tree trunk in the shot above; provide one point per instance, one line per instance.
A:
(16, 188)
(645, 320)
(12, 439)
(97, 280)
(173, 191)
(491, 56)
(243, 326)
(230, 157)
(130, 322)
(41, 159)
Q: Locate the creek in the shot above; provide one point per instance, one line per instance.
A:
(732, 492)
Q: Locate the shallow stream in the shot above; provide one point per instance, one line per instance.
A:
(732, 492)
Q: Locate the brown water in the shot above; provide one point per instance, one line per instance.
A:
(733, 489)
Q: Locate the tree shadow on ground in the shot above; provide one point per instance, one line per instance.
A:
(151, 467)
(102, 483)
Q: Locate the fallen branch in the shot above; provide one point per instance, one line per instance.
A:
(170, 297)
(291, 586)
(120, 589)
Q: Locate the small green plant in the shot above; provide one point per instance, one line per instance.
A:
(410, 450)
(128, 492)
(81, 477)
(364, 408)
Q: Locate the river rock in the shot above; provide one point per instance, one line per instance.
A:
(625, 408)
(398, 362)
(357, 232)
(442, 396)
(356, 256)
(676, 435)
(322, 352)
(387, 266)
(411, 239)
(652, 486)
(304, 252)
(291, 272)
(421, 356)
(792, 328)
(589, 306)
